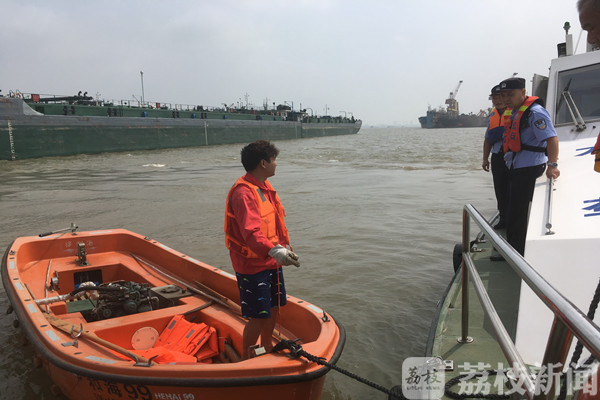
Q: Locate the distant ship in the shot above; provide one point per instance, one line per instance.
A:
(34, 126)
(450, 117)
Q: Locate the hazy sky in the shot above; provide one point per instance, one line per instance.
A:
(383, 61)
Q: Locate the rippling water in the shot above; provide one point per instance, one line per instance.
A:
(373, 216)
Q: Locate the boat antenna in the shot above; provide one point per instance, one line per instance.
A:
(142, 77)
(568, 39)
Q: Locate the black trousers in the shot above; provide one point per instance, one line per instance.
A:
(521, 184)
(500, 177)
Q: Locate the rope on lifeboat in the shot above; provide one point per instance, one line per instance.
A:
(296, 351)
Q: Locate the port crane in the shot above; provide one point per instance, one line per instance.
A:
(452, 102)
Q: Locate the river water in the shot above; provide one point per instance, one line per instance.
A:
(374, 218)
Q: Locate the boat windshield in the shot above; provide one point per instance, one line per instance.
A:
(583, 85)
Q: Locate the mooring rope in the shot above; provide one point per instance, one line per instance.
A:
(297, 351)
(461, 396)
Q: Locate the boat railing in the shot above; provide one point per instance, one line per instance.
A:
(134, 103)
(549, 230)
(568, 321)
(150, 105)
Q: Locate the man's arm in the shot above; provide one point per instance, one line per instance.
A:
(552, 149)
(487, 147)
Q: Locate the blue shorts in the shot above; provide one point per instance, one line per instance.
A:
(261, 291)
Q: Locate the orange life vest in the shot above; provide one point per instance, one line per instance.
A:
(496, 125)
(183, 342)
(269, 214)
(512, 129)
(495, 119)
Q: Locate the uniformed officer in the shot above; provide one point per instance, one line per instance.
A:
(530, 147)
(492, 143)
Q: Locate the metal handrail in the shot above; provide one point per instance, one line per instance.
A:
(506, 344)
(569, 321)
(549, 230)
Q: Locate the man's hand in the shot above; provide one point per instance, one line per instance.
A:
(485, 165)
(552, 172)
(552, 149)
(284, 256)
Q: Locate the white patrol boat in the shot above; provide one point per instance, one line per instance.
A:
(509, 328)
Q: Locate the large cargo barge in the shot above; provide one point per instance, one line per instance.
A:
(450, 117)
(34, 126)
(442, 119)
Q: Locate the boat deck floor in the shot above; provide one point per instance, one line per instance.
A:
(483, 353)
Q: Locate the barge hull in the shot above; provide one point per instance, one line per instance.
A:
(31, 136)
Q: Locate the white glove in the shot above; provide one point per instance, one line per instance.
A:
(284, 256)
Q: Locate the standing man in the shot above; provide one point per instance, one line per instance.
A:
(258, 243)
(529, 135)
(493, 143)
(589, 18)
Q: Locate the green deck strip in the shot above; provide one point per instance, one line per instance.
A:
(503, 286)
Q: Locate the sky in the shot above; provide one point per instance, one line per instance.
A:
(382, 61)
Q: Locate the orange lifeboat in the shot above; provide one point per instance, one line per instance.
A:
(100, 307)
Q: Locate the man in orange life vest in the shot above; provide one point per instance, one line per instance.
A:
(528, 136)
(493, 143)
(258, 243)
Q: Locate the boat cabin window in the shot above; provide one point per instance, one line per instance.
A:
(583, 84)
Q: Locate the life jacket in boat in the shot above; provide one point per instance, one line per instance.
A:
(195, 339)
(596, 151)
(512, 130)
(162, 355)
(496, 126)
(269, 214)
(183, 342)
